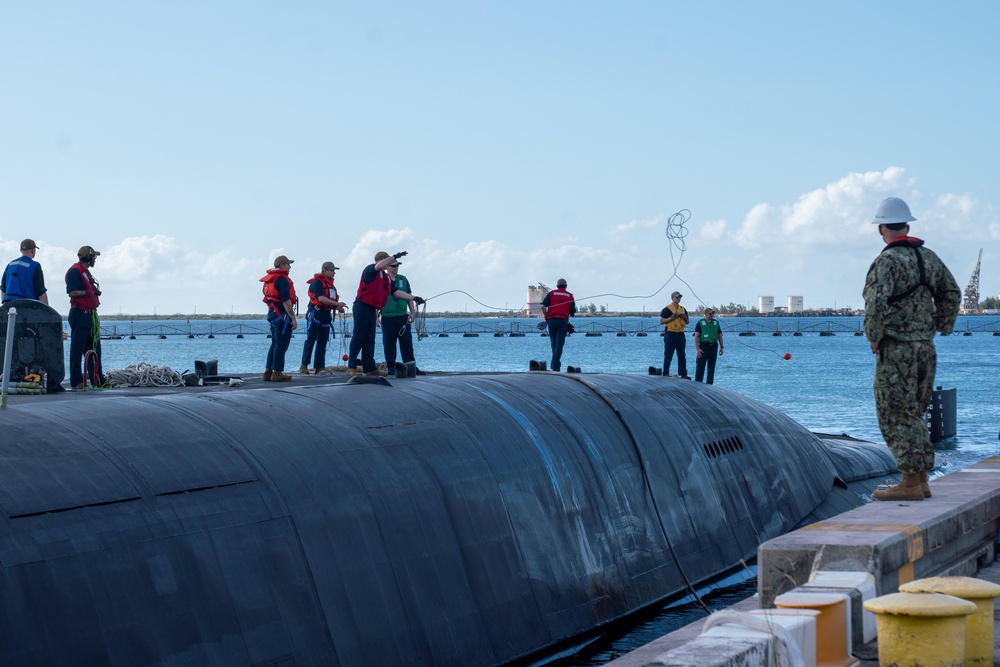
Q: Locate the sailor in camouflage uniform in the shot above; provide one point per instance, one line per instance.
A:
(909, 294)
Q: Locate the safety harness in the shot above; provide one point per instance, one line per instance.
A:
(896, 298)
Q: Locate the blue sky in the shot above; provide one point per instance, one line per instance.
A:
(502, 144)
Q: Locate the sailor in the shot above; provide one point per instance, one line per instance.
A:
(909, 295)
(373, 292)
(323, 300)
(279, 295)
(396, 319)
(557, 307)
(675, 318)
(708, 345)
(85, 326)
(23, 279)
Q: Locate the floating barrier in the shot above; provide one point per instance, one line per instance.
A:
(633, 327)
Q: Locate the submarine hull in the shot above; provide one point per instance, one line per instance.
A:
(453, 520)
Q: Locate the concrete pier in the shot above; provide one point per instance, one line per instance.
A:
(889, 543)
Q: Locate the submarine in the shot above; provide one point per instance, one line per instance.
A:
(454, 519)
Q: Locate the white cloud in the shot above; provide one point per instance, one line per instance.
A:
(818, 245)
(375, 240)
(634, 225)
(757, 226)
(138, 257)
(841, 210)
(712, 230)
(960, 216)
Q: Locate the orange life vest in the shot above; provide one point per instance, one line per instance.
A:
(329, 291)
(271, 296)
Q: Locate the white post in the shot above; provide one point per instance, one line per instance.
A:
(8, 350)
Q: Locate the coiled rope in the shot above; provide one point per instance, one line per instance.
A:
(420, 322)
(144, 374)
(786, 651)
(344, 345)
(676, 232)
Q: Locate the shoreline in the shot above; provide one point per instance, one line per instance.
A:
(448, 315)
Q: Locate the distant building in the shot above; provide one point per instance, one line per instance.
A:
(765, 304)
(795, 304)
(535, 296)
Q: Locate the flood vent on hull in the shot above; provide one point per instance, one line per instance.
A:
(722, 447)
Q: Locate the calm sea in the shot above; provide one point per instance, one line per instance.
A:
(825, 385)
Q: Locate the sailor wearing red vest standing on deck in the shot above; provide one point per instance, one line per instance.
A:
(279, 295)
(373, 292)
(557, 307)
(84, 325)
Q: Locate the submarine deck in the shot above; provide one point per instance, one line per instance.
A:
(248, 381)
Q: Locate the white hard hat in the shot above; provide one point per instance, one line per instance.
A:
(892, 210)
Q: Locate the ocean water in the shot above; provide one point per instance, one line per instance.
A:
(825, 385)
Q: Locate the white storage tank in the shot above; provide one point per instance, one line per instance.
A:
(535, 295)
(765, 304)
(795, 304)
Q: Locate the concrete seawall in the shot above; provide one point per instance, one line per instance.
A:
(952, 533)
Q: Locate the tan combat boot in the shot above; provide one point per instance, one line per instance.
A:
(267, 375)
(278, 376)
(924, 486)
(908, 489)
(303, 370)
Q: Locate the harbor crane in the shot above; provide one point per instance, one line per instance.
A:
(971, 302)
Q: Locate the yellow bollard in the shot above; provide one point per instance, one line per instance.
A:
(831, 625)
(978, 626)
(920, 629)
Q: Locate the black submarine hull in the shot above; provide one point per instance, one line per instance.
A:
(452, 520)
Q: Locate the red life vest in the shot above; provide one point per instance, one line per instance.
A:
(90, 300)
(271, 296)
(375, 293)
(329, 291)
(559, 304)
